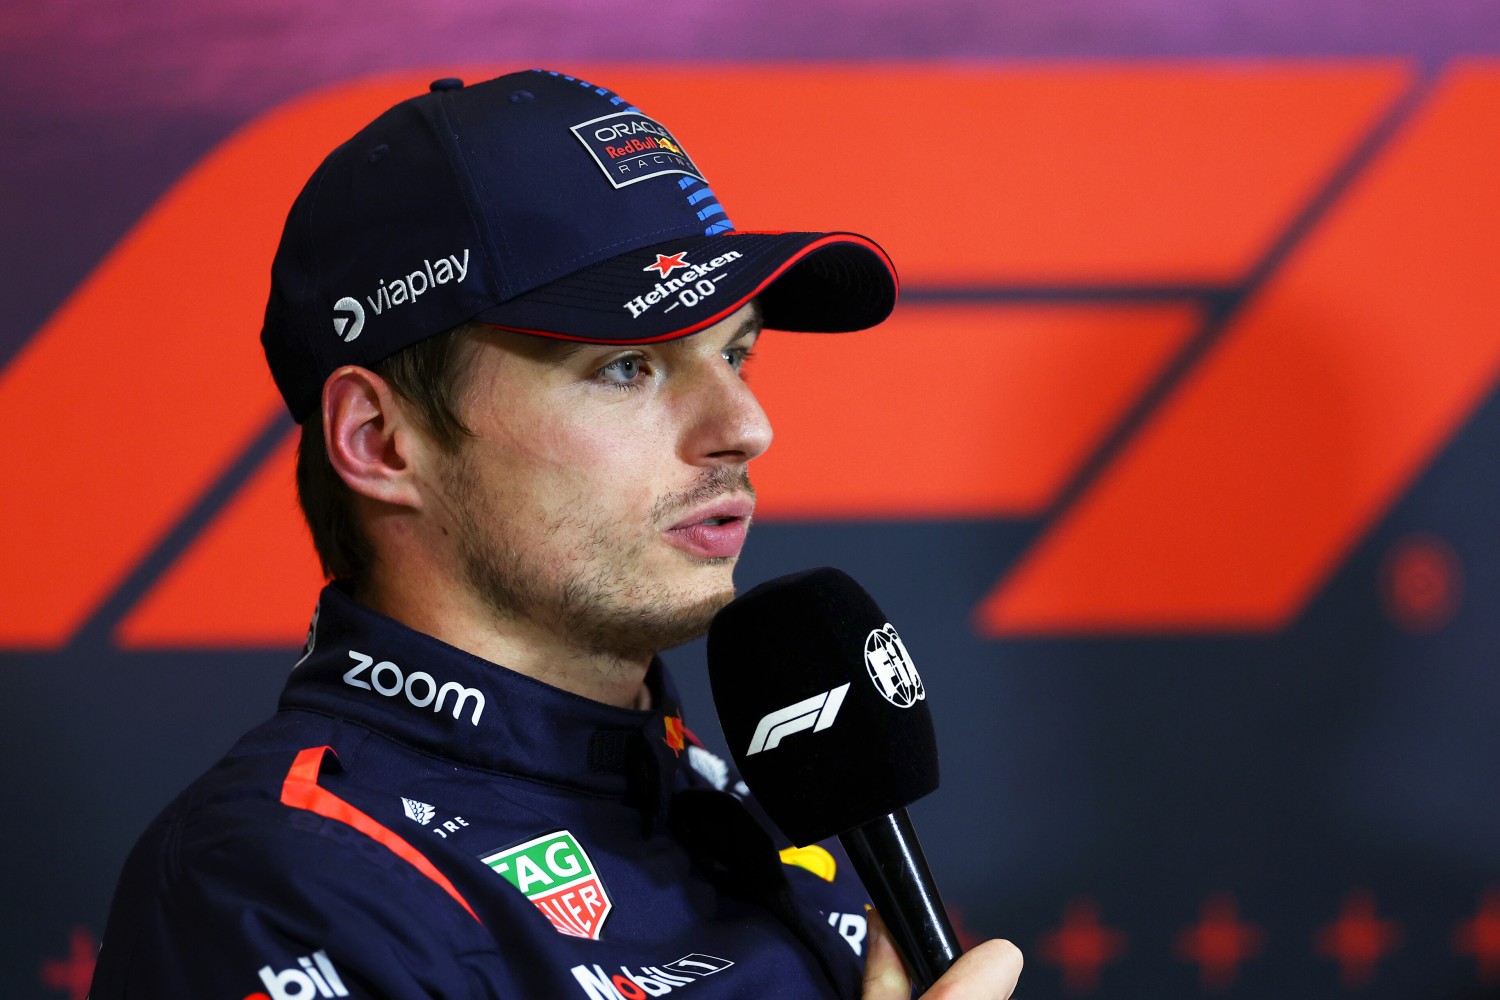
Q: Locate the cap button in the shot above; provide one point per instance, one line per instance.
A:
(446, 83)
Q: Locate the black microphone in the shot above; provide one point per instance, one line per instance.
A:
(828, 721)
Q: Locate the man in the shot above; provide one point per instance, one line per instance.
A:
(511, 319)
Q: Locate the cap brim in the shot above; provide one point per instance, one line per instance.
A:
(811, 282)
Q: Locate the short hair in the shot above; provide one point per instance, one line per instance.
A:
(429, 376)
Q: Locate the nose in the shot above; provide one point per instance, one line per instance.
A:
(729, 426)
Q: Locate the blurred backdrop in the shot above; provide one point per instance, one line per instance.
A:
(1176, 466)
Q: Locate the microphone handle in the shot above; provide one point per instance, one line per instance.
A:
(888, 858)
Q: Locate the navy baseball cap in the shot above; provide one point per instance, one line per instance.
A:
(539, 203)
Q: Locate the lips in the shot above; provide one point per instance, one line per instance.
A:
(714, 531)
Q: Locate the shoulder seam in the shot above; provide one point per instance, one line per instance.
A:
(300, 790)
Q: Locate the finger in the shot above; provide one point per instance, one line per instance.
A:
(988, 971)
(885, 977)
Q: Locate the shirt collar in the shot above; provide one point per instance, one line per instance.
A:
(362, 666)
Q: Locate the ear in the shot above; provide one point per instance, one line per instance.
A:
(371, 439)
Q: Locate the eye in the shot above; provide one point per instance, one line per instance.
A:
(737, 356)
(624, 372)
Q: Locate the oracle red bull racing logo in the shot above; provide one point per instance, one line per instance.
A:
(629, 147)
(555, 873)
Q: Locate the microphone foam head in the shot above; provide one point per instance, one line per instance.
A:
(824, 711)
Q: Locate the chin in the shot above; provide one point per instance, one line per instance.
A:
(657, 616)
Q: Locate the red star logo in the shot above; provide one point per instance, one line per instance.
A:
(676, 737)
(665, 264)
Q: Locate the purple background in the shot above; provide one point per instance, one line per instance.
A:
(1143, 773)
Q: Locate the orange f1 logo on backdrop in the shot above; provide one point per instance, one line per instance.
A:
(1204, 322)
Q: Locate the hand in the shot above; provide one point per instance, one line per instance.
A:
(986, 972)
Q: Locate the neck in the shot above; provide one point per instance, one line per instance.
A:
(527, 647)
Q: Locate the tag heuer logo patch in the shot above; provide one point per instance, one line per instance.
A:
(555, 873)
(630, 147)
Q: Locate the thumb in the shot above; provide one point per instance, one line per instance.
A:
(885, 977)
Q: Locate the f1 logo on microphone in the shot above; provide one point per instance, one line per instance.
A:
(816, 713)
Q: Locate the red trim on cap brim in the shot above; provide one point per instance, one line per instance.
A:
(739, 303)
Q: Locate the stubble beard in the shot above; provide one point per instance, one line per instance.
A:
(600, 602)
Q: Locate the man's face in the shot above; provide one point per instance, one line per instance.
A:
(604, 496)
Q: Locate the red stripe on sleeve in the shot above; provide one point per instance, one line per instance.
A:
(301, 791)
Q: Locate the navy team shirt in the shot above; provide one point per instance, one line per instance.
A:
(417, 822)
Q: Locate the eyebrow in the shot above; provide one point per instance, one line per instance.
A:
(560, 351)
(752, 325)
(567, 348)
